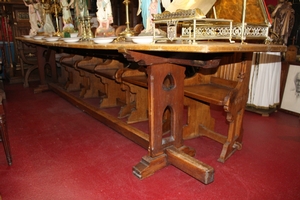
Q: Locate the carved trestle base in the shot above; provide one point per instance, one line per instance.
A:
(168, 149)
(45, 57)
(28, 72)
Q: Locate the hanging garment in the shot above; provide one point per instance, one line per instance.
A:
(264, 84)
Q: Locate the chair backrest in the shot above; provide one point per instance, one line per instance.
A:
(120, 29)
(228, 73)
(138, 28)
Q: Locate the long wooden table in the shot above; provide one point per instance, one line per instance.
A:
(162, 60)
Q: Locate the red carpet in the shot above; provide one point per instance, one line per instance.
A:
(60, 152)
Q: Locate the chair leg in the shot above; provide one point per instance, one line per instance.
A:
(28, 72)
(140, 112)
(4, 136)
(129, 103)
(199, 119)
(201, 123)
(234, 137)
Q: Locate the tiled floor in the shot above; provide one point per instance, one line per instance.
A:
(59, 152)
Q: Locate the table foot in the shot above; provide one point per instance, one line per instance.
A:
(177, 157)
(148, 165)
(188, 150)
(190, 165)
(41, 88)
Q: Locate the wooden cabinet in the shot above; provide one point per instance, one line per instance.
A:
(17, 22)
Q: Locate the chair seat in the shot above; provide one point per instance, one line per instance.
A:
(89, 64)
(107, 73)
(69, 61)
(87, 68)
(210, 93)
(136, 80)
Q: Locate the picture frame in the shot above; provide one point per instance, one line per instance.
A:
(291, 94)
(22, 16)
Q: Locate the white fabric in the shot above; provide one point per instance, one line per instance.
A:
(264, 84)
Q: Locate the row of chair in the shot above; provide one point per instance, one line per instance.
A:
(225, 86)
(118, 85)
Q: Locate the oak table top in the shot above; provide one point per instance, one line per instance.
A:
(200, 47)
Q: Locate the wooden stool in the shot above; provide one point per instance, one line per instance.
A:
(4, 134)
(90, 84)
(228, 88)
(62, 74)
(135, 82)
(73, 77)
(28, 60)
(112, 95)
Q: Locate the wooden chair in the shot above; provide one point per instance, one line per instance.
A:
(98, 79)
(73, 79)
(28, 60)
(135, 83)
(112, 94)
(62, 73)
(4, 134)
(226, 87)
(138, 28)
(90, 84)
(120, 29)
